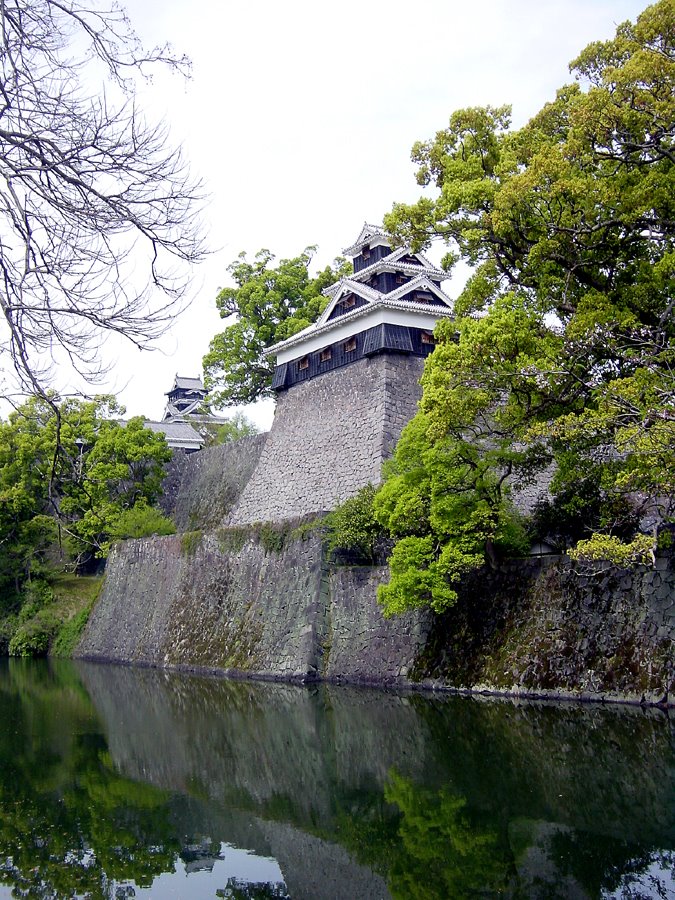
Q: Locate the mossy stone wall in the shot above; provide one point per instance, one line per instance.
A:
(261, 601)
(255, 601)
(543, 628)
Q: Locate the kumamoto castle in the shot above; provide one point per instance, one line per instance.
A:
(348, 384)
(345, 386)
(246, 587)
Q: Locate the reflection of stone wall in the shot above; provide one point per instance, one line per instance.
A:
(315, 869)
(268, 748)
(312, 756)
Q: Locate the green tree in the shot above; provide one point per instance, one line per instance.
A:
(352, 528)
(237, 426)
(563, 345)
(270, 305)
(72, 473)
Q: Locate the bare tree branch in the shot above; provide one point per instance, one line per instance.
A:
(99, 217)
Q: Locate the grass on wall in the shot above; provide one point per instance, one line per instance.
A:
(51, 625)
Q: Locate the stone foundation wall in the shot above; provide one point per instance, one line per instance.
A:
(329, 438)
(261, 601)
(547, 629)
(212, 480)
(253, 602)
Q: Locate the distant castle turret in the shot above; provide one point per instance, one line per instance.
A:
(187, 422)
(185, 399)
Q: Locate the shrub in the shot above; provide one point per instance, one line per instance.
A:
(8, 626)
(36, 594)
(33, 638)
(606, 549)
(352, 530)
(273, 537)
(141, 521)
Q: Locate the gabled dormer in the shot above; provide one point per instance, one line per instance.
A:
(372, 245)
(350, 294)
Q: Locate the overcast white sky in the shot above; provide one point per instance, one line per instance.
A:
(300, 117)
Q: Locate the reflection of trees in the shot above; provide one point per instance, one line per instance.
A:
(608, 867)
(69, 823)
(452, 799)
(444, 852)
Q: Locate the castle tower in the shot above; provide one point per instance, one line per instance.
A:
(389, 305)
(348, 384)
(186, 398)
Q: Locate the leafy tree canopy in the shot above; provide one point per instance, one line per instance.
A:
(73, 473)
(563, 345)
(237, 426)
(271, 304)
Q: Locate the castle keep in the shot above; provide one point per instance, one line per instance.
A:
(348, 384)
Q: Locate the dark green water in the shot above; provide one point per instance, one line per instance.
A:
(117, 782)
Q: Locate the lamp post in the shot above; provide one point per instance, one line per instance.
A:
(80, 444)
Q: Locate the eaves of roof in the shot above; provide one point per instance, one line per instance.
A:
(383, 302)
(389, 263)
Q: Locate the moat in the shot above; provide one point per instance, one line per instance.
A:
(123, 782)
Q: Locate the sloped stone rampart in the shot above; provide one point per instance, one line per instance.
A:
(364, 646)
(204, 486)
(261, 602)
(251, 601)
(329, 438)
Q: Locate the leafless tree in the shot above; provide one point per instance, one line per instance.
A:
(90, 193)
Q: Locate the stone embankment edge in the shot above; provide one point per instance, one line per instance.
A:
(398, 686)
(166, 603)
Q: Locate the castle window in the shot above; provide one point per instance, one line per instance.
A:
(303, 364)
(366, 253)
(400, 279)
(350, 345)
(326, 354)
(428, 338)
(348, 301)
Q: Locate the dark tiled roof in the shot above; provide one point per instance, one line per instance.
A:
(187, 384)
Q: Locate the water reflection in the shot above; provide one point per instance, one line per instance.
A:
(120, 782)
